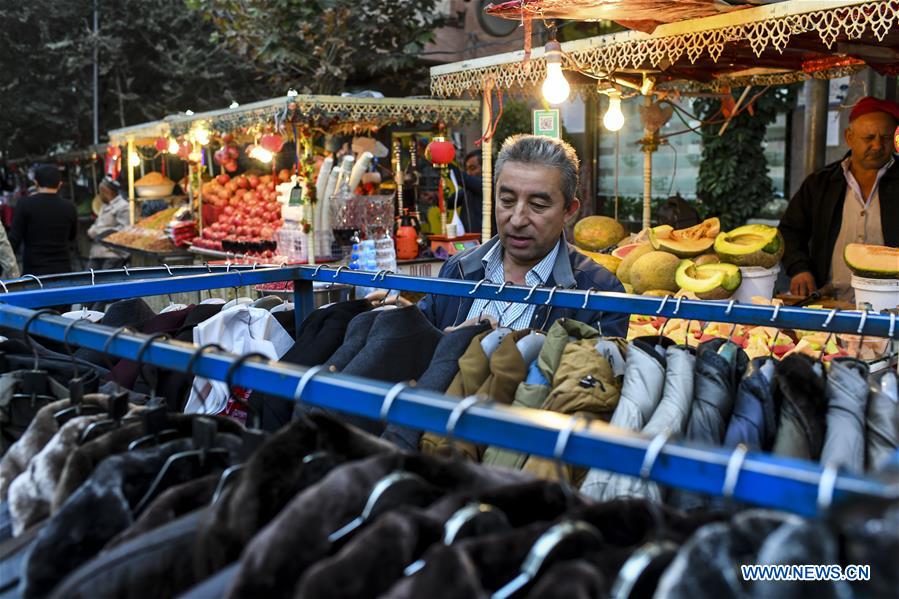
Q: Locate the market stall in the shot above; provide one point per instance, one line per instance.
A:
(264, 180)
(676, 50)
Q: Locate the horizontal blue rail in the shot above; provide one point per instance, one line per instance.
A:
(116, 285)
(759, 479)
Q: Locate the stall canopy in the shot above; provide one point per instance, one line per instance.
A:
(775, 43)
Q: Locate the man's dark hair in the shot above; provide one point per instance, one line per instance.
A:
(47, 175)
(473, 154)
(542, 151)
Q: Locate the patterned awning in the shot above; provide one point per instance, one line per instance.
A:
(777, 43)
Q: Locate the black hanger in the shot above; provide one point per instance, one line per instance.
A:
(140, 364)
(155, 419)
(394, 490)
(253, 415)
(116, 409)
(35, 382)
(193, 360)
(204, 432)
(76, 388)
(107, 357)
(324, 459)
(561, 539)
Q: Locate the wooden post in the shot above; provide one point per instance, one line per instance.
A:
(130, 168)
(486, 165)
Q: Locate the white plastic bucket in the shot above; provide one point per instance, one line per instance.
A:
(756, 281)
(882, 294)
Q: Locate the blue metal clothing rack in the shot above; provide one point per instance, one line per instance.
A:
(792, 485)
(32, 292)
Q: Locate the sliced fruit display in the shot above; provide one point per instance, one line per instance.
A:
(654, 270)
(597, 233)
(872, 261)
(624, 250)
(686, 243)
(707, 259)
(751, 245)
(624, 269)
(708, 281)
(607, 261)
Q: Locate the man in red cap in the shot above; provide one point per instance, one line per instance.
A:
(855, 200)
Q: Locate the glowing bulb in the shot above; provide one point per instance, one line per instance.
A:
(173, 146)
(134, 160)
(261, 154)
(555, 86)
(234, 105)
(201, 135)
(195, 156)
(613, 120)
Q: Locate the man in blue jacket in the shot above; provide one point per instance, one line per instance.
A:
(534, 189)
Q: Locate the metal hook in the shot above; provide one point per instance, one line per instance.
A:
(861, 333)
(677, 306)
(390, 397)
(476, 286)
(587, 298)
(824, 346)
(28, 339)
(732, 474)
(41, 284)
(377, 274)
(552, 292)
(776, 310)
(559, 451)
(190, 364)
(337, 272)
(653, 451)
(528, 296)
(662, 305)
(2, 284)
(208, 268)
(128, 273)
(93, 279)
(828, 319)
(168, 269)
(229, 375)
(502, 287)
(454, 418)
(317, 268)
(385, 273)
(827, 486)
(304, 380)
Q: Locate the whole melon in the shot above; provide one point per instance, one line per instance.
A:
(597, 233)
(655, 270)
(624, 269)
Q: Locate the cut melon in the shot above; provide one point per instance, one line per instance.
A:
(872, 261)
(607, 261)
(682, 248)
(751, 245)
(708, 281)
(707, 259)
(624, 250)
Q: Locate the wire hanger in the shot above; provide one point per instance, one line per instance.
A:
(76, 387)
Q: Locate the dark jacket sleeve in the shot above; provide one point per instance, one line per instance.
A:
(19, 223)
(795, 226)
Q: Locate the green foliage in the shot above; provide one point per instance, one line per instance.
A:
(317, 46)
(155, 59)
(517, 118)
(733, 181)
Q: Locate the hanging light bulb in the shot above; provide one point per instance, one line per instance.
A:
(134, 159)
(613, 120)
(555, 86)
(173, 146)
(261, 154)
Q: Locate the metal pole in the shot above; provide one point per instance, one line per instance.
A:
(486, 165)
(96, 76)
(648, 148)
(130, 178)
(591, 109)
(816, 101)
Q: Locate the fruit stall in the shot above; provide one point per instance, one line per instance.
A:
(665, 55)
(291, 179)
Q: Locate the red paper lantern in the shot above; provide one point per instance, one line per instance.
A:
(162, 144)
(440, 151)
(272, 142)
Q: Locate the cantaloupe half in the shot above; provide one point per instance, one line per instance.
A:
(872, 261)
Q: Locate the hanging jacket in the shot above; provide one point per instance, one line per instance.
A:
(754, 421)
(133, 313)
(799, 391)
(75, 533)
(322, 332)
(39, 432)
(585, 385)
(507, 370)
(17, 413)
(440, 373)
(534, 390)
(353, 340)
(276, 558)
(882, 437)
(641, 391)
(714, 391)
(847, 402)
(572, 270)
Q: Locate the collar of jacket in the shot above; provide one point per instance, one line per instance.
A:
(837, 174)
(562, 274)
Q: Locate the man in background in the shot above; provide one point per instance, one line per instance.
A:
(474, 194)
(114, 216)
(45, 225)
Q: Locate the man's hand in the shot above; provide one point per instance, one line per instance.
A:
(803, 284)
(379, 298)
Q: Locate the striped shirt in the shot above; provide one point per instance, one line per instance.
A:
(514, 315)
